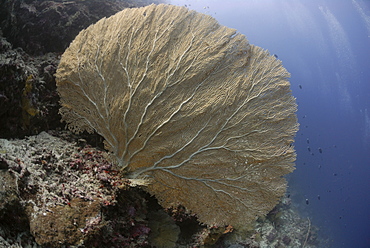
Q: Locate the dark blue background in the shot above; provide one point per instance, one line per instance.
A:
(325, 45)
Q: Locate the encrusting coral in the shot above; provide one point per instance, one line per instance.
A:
(207, 119)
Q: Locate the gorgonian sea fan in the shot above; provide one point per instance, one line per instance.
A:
(187, 104)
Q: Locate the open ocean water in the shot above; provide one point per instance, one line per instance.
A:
(325, 45)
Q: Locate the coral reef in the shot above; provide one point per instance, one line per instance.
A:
(69, 194)
(282, 227)
(40, 27)
(56, 190)
(61, 190)
(28, 98)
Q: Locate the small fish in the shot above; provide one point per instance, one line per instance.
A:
(318, 197)
(307, 202)
(308, 141)
(300, 86)
(308, 148)
(320, 150)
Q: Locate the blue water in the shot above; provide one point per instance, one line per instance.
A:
(325, 45)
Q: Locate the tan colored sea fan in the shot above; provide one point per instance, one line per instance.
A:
(187, 104)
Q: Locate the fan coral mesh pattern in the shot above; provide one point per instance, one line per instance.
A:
(187, 104)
